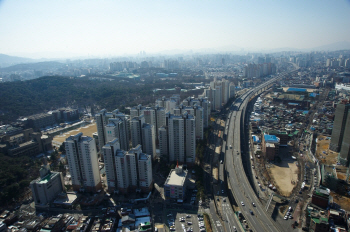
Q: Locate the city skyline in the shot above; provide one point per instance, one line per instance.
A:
(63, 29)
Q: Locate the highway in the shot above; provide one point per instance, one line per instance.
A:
(233, 173)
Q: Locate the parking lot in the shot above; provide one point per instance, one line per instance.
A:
(185, 222)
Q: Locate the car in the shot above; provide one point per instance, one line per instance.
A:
(242, 203)
(256, 177)
(221, 162)
(285, 218)
(224, 199)
(189, 223)
(230, 146)
(253, 204)
(296, 200)
(290, 209)
(217, 199)
(290, 217)
(188, 216)
(251, 212)
(222, 191)
(234, 228)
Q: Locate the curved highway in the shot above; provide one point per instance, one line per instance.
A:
(232, 169)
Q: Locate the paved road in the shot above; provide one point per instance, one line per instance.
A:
(237, 180)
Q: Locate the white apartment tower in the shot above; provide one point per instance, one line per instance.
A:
(109, 152)
(232, 90)
(205, 104)
(83, 162)
(150, 115)
(160, 118)
(149, 140)
(163, 143)
(218, 97)
(117, 128)
(176, 138)
(225, 88)
(136, 125)
(145, 172)
(182, 138)
(126, 171)
(198, 113)
(190, 138)
(102, 119)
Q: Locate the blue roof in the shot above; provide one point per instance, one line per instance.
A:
(271, 139)
(296, 90)
(312, 94)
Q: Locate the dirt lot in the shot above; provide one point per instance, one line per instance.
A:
(284, 176)
(324, 155)
(343, 201)
(87, 130)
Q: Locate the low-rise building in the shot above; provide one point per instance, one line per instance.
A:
(270, 146)
(46, 188)
(320, 197)
(175, 184)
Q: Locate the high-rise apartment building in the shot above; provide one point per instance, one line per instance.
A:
(181, 138)
(176, 139)
(153, 115)
(136, 125)
(117, 128)
(109, 152)
(218, 97)
(102, 119)
(145, 172)
(341, 113)
(232, 91)
(126, 170)
(190, 138)
(205, 104)
(83, 162)
(199, 114)
(344, 156)
(163, 143)
(225, 89)
(149, 140)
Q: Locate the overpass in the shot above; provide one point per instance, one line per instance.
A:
(232, 169)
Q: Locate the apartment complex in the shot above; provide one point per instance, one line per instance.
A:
(127, 171)
(83, 163)
(341, 113)
(117, 128)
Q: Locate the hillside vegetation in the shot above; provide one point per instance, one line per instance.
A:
(51, 92)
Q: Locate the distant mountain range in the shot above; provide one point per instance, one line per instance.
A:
(46, 65)
(6, 60)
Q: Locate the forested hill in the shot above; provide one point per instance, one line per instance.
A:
(24, 98)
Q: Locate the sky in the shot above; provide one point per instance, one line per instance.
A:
(69, 28)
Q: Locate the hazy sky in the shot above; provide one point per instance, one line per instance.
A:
(58, 28)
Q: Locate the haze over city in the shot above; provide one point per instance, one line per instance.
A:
(63, 29)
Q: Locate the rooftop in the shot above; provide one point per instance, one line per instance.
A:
(176, 179)
(296, 90)
(271, 139)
